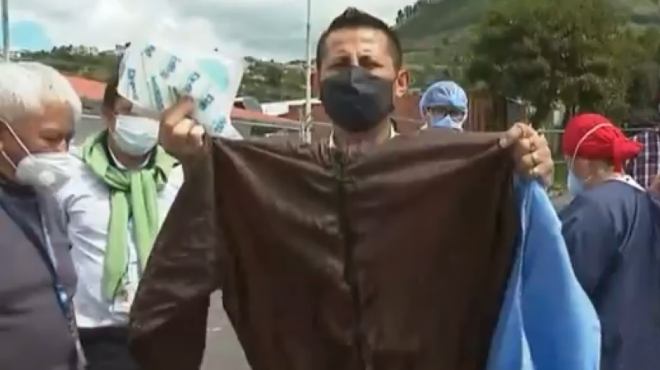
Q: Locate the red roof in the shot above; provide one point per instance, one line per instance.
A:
(94, 90)
(86, 88)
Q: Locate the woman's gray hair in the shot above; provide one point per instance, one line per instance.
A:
(26, 87)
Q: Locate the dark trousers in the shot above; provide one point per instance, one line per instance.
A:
(107, 349)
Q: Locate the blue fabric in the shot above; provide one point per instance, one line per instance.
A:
(575, 185)
(613, 237)
(547, 321)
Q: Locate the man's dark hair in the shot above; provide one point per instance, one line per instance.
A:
(110, 95)
(354, 18)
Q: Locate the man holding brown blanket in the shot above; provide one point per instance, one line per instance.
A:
(365, 251)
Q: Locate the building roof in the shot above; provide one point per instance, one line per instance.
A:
(275, 109)
(279, 108)
(94, 90)
(252, 116)
(86, 88)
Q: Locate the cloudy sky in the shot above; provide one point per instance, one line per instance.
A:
(261, 28)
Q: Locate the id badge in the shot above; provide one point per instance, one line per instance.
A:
(124, 300)
(81, 360)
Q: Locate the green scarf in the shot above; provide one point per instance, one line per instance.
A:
(132, 193)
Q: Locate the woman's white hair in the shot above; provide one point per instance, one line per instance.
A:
(26, 87)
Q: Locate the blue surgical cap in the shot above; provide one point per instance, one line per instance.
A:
(445, 94)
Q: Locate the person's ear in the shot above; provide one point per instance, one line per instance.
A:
(109, 117)
(316, 77)
(425, 115)
(583, 168)
(401, 83)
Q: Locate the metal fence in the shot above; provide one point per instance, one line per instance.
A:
(90, 124)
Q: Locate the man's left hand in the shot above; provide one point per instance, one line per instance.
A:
(531, 152)
(655, 185)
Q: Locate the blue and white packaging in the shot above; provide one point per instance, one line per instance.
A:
(155, 77)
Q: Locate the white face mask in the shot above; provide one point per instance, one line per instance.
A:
(48, 171)
(136, 136)
(44, 170)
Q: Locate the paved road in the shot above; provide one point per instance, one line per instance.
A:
(223, 350)
(88, 125)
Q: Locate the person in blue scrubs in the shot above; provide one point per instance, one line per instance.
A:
(612, 232)
(444, 104)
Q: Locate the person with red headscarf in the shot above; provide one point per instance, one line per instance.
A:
(612, 232)
(596, 150)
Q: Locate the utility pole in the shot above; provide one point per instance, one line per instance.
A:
(5, 29)
(307, 121)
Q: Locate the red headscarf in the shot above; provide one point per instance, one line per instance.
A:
(595, 137)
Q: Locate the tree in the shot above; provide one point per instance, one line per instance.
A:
(400, 17)
(644, 88)
(274, 74)
(408, 11)
(545, 52)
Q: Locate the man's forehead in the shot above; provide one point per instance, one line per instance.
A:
(368, 38)
(53, 114)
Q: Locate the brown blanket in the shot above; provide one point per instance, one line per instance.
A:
(387, 258)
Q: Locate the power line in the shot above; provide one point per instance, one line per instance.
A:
(304, 125)
(5, 29)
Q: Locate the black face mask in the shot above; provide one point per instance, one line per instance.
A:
(356, 100)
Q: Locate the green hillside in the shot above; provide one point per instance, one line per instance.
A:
(437, 34)
(434, 19)
(264, 80)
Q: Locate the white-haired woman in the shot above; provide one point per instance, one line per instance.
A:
(38, 108)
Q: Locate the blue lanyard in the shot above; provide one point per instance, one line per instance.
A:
(47, 253)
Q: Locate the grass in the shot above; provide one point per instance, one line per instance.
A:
(561, 174)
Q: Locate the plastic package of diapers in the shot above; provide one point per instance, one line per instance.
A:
(155, 77)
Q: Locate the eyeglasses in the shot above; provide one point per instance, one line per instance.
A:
(442, 111)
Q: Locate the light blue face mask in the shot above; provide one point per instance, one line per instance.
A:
(134, 135)
(575, 185)
(446, 121)
(442, 121)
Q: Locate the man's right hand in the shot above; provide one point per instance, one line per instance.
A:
(180, 135)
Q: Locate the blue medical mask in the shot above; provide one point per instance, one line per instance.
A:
(446, 117)
(442, 121)
(574, 183)
(135, 136)
(446, 121)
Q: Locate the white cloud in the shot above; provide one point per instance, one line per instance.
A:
(263, 28)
